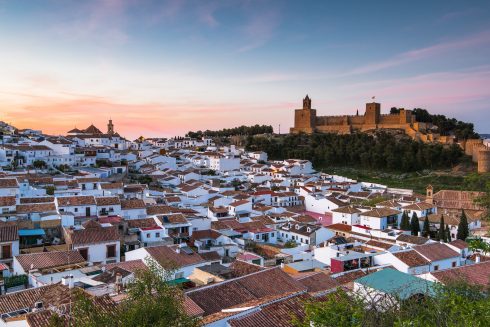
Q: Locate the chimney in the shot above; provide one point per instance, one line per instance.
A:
(477, 258)
(119, 283)
(67, 281)
(177, 249)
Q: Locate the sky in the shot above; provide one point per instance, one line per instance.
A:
(161, 68)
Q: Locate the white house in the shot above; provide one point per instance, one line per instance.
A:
(182, 260)
(380, 218)
(133, 209)
(9, 243)
(108, 206)
(304, 234)
(80, 206)
(346, 215)
(95, 243)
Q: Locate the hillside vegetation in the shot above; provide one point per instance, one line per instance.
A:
(380, 151)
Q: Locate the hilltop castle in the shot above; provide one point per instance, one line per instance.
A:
(306, 121)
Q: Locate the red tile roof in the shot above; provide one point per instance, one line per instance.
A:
(436, 251)
(46, 260)
(8, 232)
(230, 293)
(73, 201)
(92, 235)
(168, 257)
(476, 274)
(411, 258)
(7, 201)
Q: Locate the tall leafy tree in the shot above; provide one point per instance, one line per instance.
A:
(426, 228)
(414, 224)
(448, 233)
(405, 222)
(151, 301)
(455, 304)
(441, 234)
(463, 231)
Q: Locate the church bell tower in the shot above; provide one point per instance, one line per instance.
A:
(110, 128)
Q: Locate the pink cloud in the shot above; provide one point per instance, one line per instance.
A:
(56, 116)
(423, 53)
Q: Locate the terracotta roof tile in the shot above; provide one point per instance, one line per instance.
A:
(7, 201)
(133, 204)
(168, 257)
(46, 260)
(8, 183)
(92, 235)
(8, 232)
(411, 258)
(72, 201)
(436, 251)
(35, 207)
(40, 199)
(227, 294)
(476, 274)
(107, 201)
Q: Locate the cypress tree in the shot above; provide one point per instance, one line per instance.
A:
(405, 223)
(463, 231)
(426, 228)
(441, 235)
(414, 225)
(448, 234)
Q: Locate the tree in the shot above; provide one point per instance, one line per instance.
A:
(479, 245)
(441, 234)
(414, 224)
(50, 190)
(426, 228)
(448, 233)
(39, 164)
(454, 304)
(290, 244)
(337, 310)
(405, 222)
(151, 301)
(463, 231)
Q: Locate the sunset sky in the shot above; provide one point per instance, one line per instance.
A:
(162, 68)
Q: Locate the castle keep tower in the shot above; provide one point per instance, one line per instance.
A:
(373, 113)
(305, 118)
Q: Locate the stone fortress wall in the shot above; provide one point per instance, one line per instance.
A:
(306, 121)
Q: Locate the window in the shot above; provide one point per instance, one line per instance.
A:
(306, 241)
(272, 234)
(148, 235)
(157, 234)
(6, 251)
(76, 209)
(111, 251)
(436, 267)
(454, 264)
